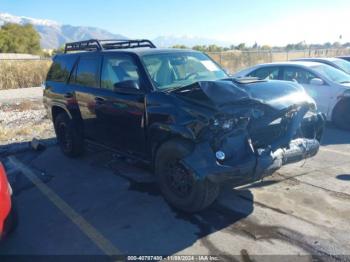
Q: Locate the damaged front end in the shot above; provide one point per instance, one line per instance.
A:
(258, 127)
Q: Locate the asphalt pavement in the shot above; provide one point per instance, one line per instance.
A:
(100, 204)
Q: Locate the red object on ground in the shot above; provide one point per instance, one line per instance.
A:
(5, 198)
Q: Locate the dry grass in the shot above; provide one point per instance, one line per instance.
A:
(22, 73)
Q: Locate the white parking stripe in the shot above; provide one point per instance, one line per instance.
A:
(91, 232)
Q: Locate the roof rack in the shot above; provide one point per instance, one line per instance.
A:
(107, 44)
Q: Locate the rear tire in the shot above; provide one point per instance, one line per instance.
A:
(69, 138)
(179, 186)
(341, 115)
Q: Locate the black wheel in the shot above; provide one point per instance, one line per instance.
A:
(68, 136)
(341, 114)
(179, 186)
(11, 221)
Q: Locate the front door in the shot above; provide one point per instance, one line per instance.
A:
(320, 93)
(120, 116)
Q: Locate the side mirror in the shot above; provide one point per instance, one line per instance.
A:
(127, 87)
(316, 82)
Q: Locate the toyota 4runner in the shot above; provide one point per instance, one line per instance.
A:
(179, 112)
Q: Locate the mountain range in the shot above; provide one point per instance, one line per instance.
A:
(54, 34)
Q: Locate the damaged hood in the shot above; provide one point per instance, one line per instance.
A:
(277, 94)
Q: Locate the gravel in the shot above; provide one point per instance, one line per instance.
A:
(23, 116)
(20, 94)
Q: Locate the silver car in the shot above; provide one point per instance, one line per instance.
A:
(328, 86)
(332, 61)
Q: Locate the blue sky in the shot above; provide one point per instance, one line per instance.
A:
(273, 22)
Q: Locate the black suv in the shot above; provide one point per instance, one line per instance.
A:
(178, 111)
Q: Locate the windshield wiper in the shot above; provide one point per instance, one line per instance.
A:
(345, 82)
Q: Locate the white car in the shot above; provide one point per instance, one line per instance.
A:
(328, 86)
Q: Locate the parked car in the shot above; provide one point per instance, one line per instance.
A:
(345, 57)
(338, 63)
(329, 86)
(179, 112)
(8, 216)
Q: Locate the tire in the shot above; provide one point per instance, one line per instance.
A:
(341, 115)
(69, 138)
(179, 186)
(11, 222)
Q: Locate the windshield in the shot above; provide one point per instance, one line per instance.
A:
(332, 73)
(170, 70)
(344, 65)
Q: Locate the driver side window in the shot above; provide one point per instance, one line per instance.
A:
(116, 69)
(299, 75)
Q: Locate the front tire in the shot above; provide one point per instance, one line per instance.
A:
(341, 115)
(179, 186)
(69, 138)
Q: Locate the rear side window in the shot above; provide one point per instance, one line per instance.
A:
(270, 72)
(87, 72)
(61, 68)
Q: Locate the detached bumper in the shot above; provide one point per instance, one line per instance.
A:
(245, 164)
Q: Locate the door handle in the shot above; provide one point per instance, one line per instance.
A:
(99, 99)
(68, 95)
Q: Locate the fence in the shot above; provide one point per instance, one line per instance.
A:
(235, 60)
(19, 71)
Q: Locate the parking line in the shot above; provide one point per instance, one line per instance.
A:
(335, 151)
(92, 233)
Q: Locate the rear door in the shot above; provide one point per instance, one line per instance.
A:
(85, 83)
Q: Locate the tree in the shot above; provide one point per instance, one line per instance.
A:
(336, 45)
(59, 50)
(327, 45)
(201, 48)
(16, 38)
(241, 46)
(180, 46)
(214, 48)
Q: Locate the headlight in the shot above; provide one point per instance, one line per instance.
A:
(225, 124)
(228, 124)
